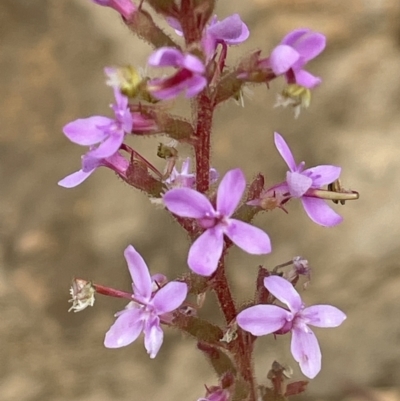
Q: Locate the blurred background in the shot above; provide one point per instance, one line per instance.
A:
(51, 61)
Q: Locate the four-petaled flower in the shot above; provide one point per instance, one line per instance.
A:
(148, 308)
(107, 132)
(205, 252)
(125, 7)
(296, 49)
(189, 77)
(299, 181)
(261, 320)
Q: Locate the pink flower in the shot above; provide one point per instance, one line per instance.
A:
(107, 133)
(295, 50)
(124, 7)
(230, 31)
(189, 78)
(299, 181)
(115, 162)
(148, 308)
(261, 320)
(205, 252)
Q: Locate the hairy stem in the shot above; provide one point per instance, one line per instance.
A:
(205, 111)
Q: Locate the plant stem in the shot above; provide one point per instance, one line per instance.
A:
(205, 111)
(242, 348)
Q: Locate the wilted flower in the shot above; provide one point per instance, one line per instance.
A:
(82, 295)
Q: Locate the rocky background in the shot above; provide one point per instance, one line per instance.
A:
(51, 60)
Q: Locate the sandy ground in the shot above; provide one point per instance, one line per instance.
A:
(51, 60)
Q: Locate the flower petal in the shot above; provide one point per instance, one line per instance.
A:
(319, 212)
(282, 58)
(260, 320)
(195, 85)
(230, 191)
(323, 175)
(284, 151)
(232, 30)
(205, 252)
(153, 336)
(284, 291)
(323, 316)
(249, 238)
(142, 285)
(187, 202)
(298, 183)
(125, 330)
(304, 78)
(74, 179)
(87, 131)
(305, 350)
(193, 63)
(109, 146)
(292, 37)
(166, 57)
(170, 297)
(310, 45)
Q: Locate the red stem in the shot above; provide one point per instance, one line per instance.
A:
(242, 349)
(205, 111)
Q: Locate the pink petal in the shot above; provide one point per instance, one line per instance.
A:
(249, 238)
(310, 45)
(304, 78)
(319, 212)
(110, 146)
(323, 175)
(74, 179)
(87, 131)
(166, 57)
(323, 316)
(205, 252)
(298, 183)
(195, 85)
(260, 320)
(142, 285)
(153, 336)
(284, 291)
(231, 30)
(187, 202)
(284, 151)
(193, 63)
(170, 297)
(230, 191)
(305, 350)
(282, 58)
(125, 330)
(292, 37)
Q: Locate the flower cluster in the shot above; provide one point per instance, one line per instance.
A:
(217, 214)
